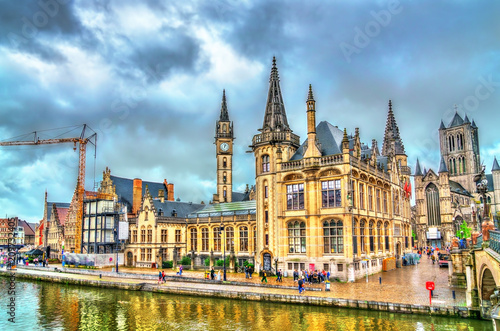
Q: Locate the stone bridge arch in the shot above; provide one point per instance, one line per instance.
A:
(487, 278)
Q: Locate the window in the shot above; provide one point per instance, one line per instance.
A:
(224, 177)
(255, 239)
(385, 202)
(194, 239)
(243, 239)
(331, 193)
(266, 213)
(266, 192)
(370, 198)
(134, 236)
(150, 235)
(204, 239)
(355, 237)
(396, 202)
(143, 235)
(386, 233)
(163, 235)
(295, 196)
(217, 246)
(143, 254)
(265, 163)
(361, 196)
(379, 235)
(433, 207)
(224, 162)
(326, 267)
(362, 236)
(267, 239)
(333, 237)
(297, 237)
(148, 250)
(177, 236)
(164, 254)
(378, 200)
(340, 267)
(229, 239)
(371, 230)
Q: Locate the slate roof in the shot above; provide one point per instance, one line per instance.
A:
(125, 189)
(442, 166)
(329, 136)
(418, 171)
(457, 188)
(489, 178)
(239, 196)
(183, 209)
(29, 229)
(456, 121)
(495, 165)
(227, 209)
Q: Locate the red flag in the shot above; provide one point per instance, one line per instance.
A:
(409, 188)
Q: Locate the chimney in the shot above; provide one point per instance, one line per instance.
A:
(170, 192)
(161, 195)
(137, 195)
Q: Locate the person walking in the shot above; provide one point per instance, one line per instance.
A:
(264, 276)
(301, 284)
(295, 275)
(163, 276)
(160, 278)
(212, 273)
(433, 258)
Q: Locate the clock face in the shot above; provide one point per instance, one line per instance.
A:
(224, 147)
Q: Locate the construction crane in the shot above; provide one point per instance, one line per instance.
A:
(80, 189)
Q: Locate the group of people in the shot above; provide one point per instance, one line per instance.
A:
(311, 276)
(248, 272)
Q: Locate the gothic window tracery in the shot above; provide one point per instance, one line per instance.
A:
(433, 207)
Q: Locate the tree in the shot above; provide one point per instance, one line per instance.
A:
(464, 232)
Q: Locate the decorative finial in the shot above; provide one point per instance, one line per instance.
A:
(390, 105)
(310, 96)
(345, 139)
(456, 108)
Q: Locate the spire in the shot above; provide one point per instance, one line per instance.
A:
(425, 171)
(474, 124)
(310, 96)
(224, 114)
(442, 166)
(392, 141)
(495, 165)
(442, 126)
(418, 171)
(457, 120)
(466, 119)
(275, 116)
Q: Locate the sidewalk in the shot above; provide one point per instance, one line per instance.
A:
(404, 285)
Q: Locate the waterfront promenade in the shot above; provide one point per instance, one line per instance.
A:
(400, 290)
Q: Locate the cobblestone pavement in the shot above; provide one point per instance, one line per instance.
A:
(404, 285)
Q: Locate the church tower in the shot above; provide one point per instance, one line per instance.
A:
(459, 146)
(224, 154)
(274, 144)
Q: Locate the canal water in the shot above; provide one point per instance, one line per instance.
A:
(48, 306)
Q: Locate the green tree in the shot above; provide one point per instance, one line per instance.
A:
(186, 260)
(466, 231)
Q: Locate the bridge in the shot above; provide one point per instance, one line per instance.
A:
(483, 275)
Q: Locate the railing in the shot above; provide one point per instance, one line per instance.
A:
(276, 136)
(312, 162)
(495, 241)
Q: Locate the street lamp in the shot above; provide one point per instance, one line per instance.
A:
(222, 230)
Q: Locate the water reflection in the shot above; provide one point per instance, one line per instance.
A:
(66, 307)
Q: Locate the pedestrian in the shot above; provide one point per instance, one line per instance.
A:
(246, 272)
(163, 276)
(264, 276)
(433, 257)
(212, 273)
(160, 278)
(295, 275)
(301, 284)
(218, 275)
(180, 270)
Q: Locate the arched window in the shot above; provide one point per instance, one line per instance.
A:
(224, 177)
(224, 128)
(355, 237)
(333, 237)
(371, 230)
(224, 162)
(386, 234)
(204, 239)
(255, 239)
(433, 207)
(243, 239)
(362, 236)
(297, 237)
(194, 239)
(380, 236)
(143, 234)
(361, 196)
(265, 163)
(488, 199)
(217, 239)
(229, 239)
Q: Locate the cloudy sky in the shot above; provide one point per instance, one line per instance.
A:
(148, 76)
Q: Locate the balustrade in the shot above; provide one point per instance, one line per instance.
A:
(495, 241)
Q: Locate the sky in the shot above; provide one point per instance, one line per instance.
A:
(147, 77)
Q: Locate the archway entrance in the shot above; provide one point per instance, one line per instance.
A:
(130, 259)
(487, 285)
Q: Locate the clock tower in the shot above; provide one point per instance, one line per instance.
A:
(224, 153)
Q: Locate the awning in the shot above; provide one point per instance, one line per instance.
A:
(433, 234)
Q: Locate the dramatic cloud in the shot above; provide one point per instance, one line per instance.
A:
(148, 78)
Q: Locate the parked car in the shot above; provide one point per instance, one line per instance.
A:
(443, 259)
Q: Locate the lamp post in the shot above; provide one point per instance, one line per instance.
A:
(222, 230)
(276, 264)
